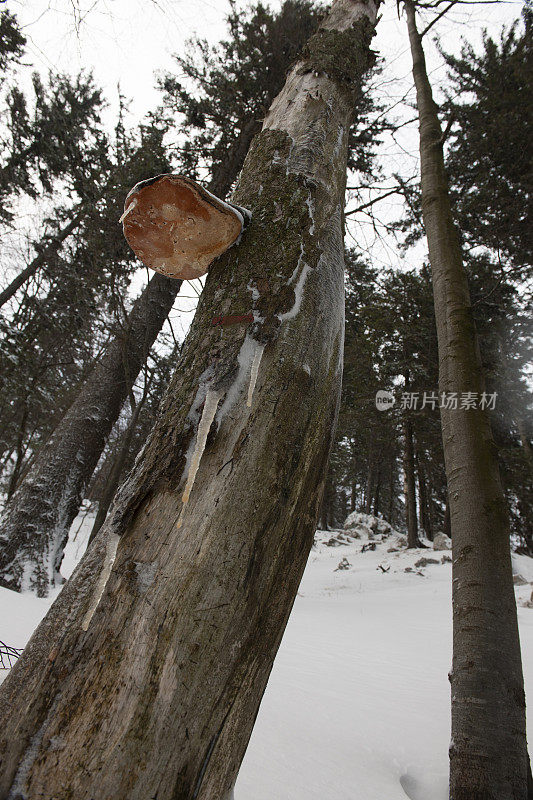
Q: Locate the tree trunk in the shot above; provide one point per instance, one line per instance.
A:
(377, 491)
(488, 754)
(368, 488)
(41, 258)
(113, 480)
(353, 498)
(390, 518)
(145, 677)
(410, 485)
(525, 440)
(425, 515)
(34, 529)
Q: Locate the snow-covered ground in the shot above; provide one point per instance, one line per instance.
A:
(357, 706)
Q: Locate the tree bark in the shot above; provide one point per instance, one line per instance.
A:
(41, 258)
(35, 526)
(353, 497)
(410, 485)
(525, 440)
(488, 754)
(151, 687)
(392, 481)
(377, 492)
(425, 513)
(368, 488)
(115, 473)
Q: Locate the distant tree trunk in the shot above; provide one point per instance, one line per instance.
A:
(41, 258)
(488, 754)
(353, 498)
(146, 675)
(344, 505)
(35, 526)
(368, 488)
(447, 523)
(377, 491)
(390, 517)
(425, 517)
(525, 440)
(431, 504)
(410, 485)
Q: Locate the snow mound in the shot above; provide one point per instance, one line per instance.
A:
(367, 522)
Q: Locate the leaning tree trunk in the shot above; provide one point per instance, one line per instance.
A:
(35, 525)
(146, 676)
(488, 754)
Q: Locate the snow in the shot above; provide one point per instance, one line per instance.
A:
(357, 705)
(309, 202)
(245, 359)
(254, 372)
(212, 399)
(298, 295)
(110, 555)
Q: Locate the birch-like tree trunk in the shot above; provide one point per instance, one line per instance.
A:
(145, 678)
(488, 753)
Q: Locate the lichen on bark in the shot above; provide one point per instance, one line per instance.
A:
(344, 56)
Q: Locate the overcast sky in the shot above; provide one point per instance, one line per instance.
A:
(127, 42)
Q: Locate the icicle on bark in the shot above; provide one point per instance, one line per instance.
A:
(254, 372)
(109, 560)
(208, 414)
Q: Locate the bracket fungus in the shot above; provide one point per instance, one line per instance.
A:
(177, 227)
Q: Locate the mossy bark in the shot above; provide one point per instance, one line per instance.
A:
(488, 754)
(158, 696)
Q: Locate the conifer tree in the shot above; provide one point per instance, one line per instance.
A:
(488, 754)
